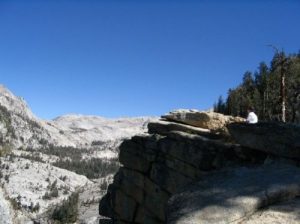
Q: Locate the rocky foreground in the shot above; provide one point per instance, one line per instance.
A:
(196, 167)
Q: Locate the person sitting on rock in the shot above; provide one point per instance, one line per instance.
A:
(252, 117)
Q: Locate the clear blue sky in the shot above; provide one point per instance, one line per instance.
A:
(131, 58)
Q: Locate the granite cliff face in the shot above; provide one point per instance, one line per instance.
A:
(180, 173)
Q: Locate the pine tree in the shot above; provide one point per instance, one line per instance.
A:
(272, 99)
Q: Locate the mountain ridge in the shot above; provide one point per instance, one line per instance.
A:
(44, 162)
(75, 130)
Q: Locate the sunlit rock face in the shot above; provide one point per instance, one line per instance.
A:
(180, 173)
(202, 119)
(232, 196)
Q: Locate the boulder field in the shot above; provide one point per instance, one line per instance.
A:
(187, 171)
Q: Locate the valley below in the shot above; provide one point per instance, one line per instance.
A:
(57, 171)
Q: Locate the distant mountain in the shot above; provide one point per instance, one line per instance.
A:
(43, 164)
(21, 128)
(92, 130)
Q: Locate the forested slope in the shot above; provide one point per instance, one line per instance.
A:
(262, 90)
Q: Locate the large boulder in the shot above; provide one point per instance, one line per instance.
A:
(230, 197)
(279, 139)
(202, 119)
(165, 127)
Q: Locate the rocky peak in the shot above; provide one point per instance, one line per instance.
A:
(21, 128)
(14, 104)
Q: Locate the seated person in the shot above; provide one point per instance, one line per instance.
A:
(252, 117)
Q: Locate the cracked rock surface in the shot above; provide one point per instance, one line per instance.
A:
(232, 196)
(285, 212)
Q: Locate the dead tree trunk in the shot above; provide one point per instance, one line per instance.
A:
(283, 90)
(282, 63)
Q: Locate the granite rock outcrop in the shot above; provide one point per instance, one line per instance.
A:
(162, 172)
(279, 139)
(232, 196)
(202, 119)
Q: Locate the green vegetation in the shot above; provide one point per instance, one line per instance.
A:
(104, 185)
(92, 168)
(16, 204)
(72, 159)
(32, 124)
(6, 178)
(97, 143)
(53, 191)
(5, 150)
(67, 212)
(34, 157)
(34, 208)
(62, 152)
(262, 90)
(5, 118)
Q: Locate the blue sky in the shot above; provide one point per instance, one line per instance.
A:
(133, 58)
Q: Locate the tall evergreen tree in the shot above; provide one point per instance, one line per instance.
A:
(266, 91)
(220, 106)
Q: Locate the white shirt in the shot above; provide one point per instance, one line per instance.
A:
(252, 118)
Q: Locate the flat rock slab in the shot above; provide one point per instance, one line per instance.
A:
(164, 127)
(231, 196)
(202, 119)
(275, 138)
